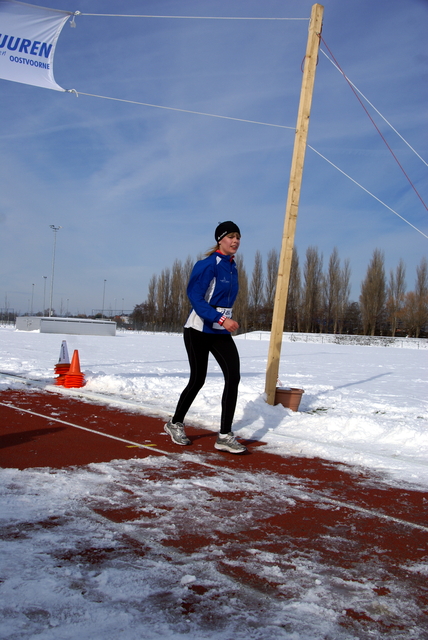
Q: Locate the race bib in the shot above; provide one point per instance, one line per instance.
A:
(225, 311)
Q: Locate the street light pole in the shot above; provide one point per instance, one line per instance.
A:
(55, 230)
(44, 295)
(104, 296)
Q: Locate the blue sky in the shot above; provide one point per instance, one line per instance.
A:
(136, 187)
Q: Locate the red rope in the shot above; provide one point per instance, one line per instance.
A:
(374, 124)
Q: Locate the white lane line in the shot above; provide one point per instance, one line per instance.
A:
(367, 512)
(77, 426)
(117, 401)
(290, 491)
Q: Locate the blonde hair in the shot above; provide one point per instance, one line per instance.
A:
(212, 250)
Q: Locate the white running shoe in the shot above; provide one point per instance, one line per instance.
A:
(228, 442)
(176, 431)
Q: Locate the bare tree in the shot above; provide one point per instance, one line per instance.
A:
(421, 296)
(332, 282)
(344, 293)
(162, 298)
(396, 290)
(373, 294)
(256, 291)
(293, 311)
(271, 277)
(270, 281)
(409, 313)
(240, 308)
(175, 298)
(352, 322)
(151, 301)
(137, 316)
(312, 289)
(185, 276)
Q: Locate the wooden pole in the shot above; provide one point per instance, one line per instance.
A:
(293, 198)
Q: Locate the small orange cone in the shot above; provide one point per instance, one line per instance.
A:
(74, 377)
(63, 365)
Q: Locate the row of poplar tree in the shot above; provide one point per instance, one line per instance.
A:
(318, 299)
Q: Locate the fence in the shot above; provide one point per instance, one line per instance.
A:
(329, 338)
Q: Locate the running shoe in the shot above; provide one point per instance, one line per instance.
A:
(176, 431)
(228, 442)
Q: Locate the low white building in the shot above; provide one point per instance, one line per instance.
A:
(75, 326)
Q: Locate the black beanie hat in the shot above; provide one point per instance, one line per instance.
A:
(224, 228)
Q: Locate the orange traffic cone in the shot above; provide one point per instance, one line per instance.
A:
(63, 365)
(74, 377)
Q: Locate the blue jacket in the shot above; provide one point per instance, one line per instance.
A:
(212, 290)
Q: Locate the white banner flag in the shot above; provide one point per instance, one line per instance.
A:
(28, 36)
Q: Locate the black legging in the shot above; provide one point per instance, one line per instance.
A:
(198, 346)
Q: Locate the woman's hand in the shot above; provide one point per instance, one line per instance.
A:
(230, 325)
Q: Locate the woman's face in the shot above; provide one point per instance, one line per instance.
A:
(229, 245)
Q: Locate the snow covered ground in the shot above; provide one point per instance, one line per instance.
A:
(362, 405)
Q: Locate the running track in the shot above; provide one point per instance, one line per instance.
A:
(357, 525)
